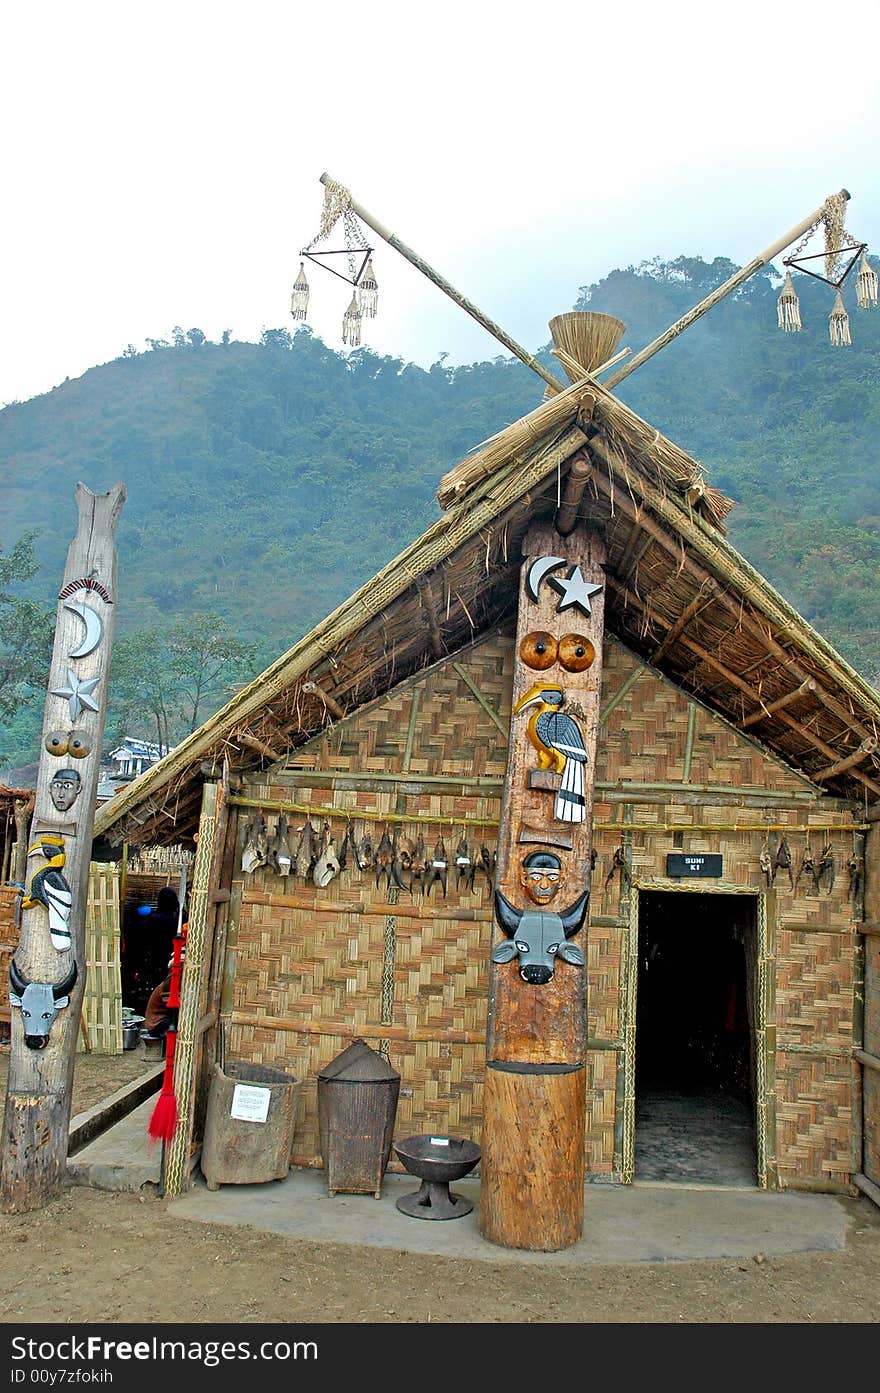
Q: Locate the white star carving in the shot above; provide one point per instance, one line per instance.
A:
(574, 591)
(78, 694)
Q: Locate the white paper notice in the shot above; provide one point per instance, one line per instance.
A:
(250, 1104)
(439, 1141)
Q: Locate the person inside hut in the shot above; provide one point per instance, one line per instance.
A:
(158, 1015)
(160, 927)
(161, 1009)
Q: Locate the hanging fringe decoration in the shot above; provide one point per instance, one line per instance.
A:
(357, 251)
(788, 307)
(351, 323)
(163, 1119)
(299, 300)
(838, 323)
(369, 290)
(866, 285)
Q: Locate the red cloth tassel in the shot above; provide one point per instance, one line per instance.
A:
(176, 963)
(164, 1117)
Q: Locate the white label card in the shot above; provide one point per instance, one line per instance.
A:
(439, 1141)
(250, 1104)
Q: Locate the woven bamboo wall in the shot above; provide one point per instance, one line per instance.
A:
(356, 959)
(318, 968)
(8, 943)
(871, 1036)
(102, 1001)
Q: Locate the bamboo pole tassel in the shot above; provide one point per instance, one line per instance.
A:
(838, 324)
(788, 307)
(866, 285)
(351, 323)
(299, 299)
(369, 290)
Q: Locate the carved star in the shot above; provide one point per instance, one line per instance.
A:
(574, 591)
(78, 694)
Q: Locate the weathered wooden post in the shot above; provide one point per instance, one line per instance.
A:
(532, 1187)
(47, 975)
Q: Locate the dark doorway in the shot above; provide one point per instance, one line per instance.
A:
(695, 1032)
(149, 922)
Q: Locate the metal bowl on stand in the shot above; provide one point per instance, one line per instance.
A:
(436, 1161)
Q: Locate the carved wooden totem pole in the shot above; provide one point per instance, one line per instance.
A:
(532, 1189)
(47, 975)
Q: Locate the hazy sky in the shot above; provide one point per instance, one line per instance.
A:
(162, 161)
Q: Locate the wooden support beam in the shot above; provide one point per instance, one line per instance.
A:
(870, 1061)
(638, 544)
(578, 475)
(176, 1159)
(867, 1187)
(244, 737)
(213, 769)
(704, 596)
(772, 707)
(760, 630)
(23, 811)
(736, 681)
(534, 1101)
(704, 545)
(438, 648)
(50, 956)
(315, 689)
(625, 505)
(866, 748)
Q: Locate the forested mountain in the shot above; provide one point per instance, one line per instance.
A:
(267, 481)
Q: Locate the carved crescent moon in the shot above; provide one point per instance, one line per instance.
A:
(537, 572)
(94, 627)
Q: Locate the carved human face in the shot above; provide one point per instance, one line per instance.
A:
(541, 878)
(65, 788)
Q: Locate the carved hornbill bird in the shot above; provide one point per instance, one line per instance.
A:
(49, 887)
(557, 738)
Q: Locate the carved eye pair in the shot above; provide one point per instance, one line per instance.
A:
(70, 742)
(541, 650)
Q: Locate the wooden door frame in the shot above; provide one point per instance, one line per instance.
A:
(764, 1036)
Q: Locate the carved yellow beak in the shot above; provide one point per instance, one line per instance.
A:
(536, 693)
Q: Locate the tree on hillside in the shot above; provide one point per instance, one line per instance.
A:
(26, 630)
(165, 681)
(204, 653)
(141, 694)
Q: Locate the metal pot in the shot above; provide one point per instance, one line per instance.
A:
(131, 1031)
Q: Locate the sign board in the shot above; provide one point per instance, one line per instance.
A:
(250, 1104)
(682, 863)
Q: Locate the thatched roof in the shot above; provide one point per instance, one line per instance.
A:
(679, 595)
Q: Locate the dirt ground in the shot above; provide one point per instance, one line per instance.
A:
(95, 1256)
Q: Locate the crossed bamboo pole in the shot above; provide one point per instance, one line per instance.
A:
(720, 293)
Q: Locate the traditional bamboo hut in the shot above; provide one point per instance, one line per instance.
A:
(735, 903)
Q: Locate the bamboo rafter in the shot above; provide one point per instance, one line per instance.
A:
(313, 688)
(770, 708)
(734, 680)
(705, 596)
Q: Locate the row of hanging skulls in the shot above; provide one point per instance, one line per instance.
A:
(816, 871)
(397, 859)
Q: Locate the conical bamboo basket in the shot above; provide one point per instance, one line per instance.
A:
(587, 337)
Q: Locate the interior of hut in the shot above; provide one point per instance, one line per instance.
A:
(149, 923)
(695, 1094)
